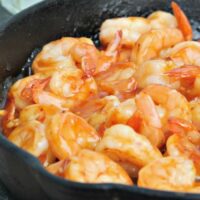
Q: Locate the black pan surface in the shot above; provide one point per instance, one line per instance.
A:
(30, 30)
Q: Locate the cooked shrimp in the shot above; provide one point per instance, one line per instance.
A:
(189, 77)
(37, 112)
(174, 103)
(176, 174)
(150, 121)
(111, 111)
(185, 142)
(195, 110)
(68, 133)
(30, 136)
(153, 72)
(155, 105)
(132, 28)
(23, 90)
(122, 144)
(71, 85)
(92, 167)
(31, 90)
(93, 61)
(55, 55)
(160, 19)
(151, 43)
(184, 53)
(118, 80)
(183, 22)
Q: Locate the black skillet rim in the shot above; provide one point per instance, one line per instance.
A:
(34, 164)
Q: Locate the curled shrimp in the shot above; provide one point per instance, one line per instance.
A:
(146, 120)
(105, 112)
(93, 61)
(189, 77)
(56, 55)
(118, 80)
(184, 142)
(195, 110)
(153, 72)
(175, 104)
(30, 136)
(23, 90)
(93, 167)
(132, 28)
(175, 174)
(183, 22)
(72, 86)
(155, 105)
(68, 133)
(122, 144)
(37, 112)
(151, 43)
(183, 53)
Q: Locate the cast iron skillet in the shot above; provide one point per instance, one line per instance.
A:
(20, 172)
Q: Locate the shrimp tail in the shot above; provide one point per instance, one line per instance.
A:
(187, 71)
(183, 22)
(115, 44)
(30, 91)
(176, 125)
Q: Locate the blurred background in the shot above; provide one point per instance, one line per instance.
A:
(15, 6)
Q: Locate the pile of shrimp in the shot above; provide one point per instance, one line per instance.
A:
(127, 113)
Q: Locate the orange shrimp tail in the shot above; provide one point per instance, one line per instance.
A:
(176, 125)
(29, 91)
(115, 44)
(183, 22)
(188, 71)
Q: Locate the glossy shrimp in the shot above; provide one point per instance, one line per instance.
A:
(73, 86)
(184, 142)
(184, 53)
(56, 55)
(68, 133)
(93, 61)
(31, 137)
(93, 167)
(154, 72)
(151, 43)
(118, 80)
(105, 112)
(169, 173)
(155, 105)
(147, 121)
(133, 27)
(37, 112)
(133, 151)
(160, 19)
(189, 78)
(24, 89)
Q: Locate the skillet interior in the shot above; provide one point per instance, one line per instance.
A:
(20, 172)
